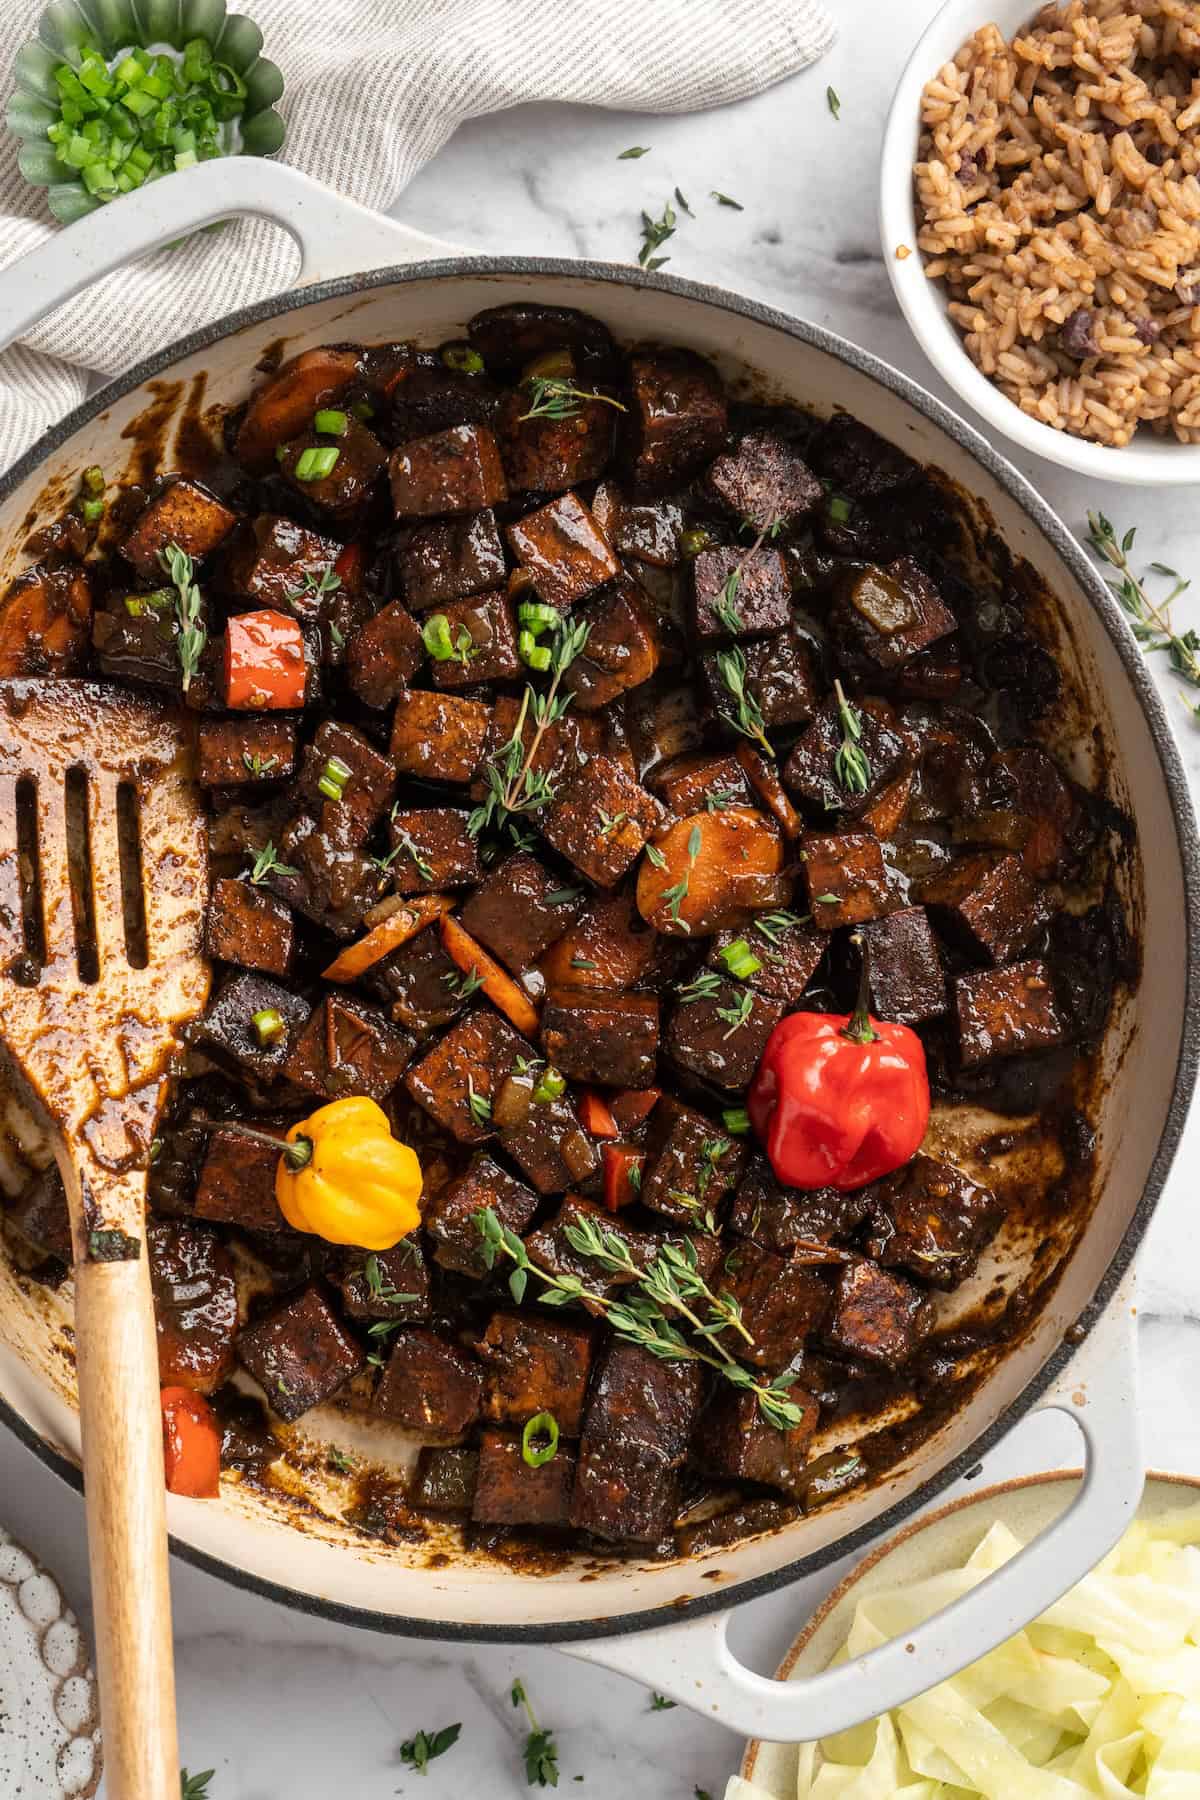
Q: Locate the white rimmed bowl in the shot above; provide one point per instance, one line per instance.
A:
(932, 1544)
(1146, 462)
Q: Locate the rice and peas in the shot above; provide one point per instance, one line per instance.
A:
(1058, 201)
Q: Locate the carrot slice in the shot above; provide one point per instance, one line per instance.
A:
(264, 662)
(388, 935)
(191, 1444)
(500, 988)
(284, 407)
(632, 1105)
(769, 788)
(621, 1186)
(595, 1116)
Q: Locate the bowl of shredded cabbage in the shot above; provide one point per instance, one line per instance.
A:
(1097, 1699)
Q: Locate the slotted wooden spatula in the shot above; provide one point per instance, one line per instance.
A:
(102, 886)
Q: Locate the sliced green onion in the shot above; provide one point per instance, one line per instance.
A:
(736, 1121)
(362, 409)
(525, 645)
(542, 1426)
(157, 601)
(281, 453)
(536, 616)
(839, 508)
(268, 1025)
(691, 543)
(332, 420)
(740, 959)
(315, 464)
(462, 358)
(549, 1087)
(197, 60)
(92, 480)
(435, 635)
(334, 777)
(93, 511)
(539, 658)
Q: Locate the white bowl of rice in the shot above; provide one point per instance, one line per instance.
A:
(1040, 213)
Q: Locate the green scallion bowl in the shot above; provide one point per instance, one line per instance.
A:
(115, 93)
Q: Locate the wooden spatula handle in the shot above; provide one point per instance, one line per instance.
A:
(127, 1533)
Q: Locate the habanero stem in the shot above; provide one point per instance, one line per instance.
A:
(297, 1155)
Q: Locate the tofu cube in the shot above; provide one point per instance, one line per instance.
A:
(508, 1491)
(934, 1221)
(387, 1284)
(300, 1355)
(762, 601)
(226, 1030)
(234, 751)
(183, 513)
(882, 618)
(450, 1219)
(780, 678)
(281, 564)
(779, 1218)
(237, 1182)
(736, 1441)
(1006, 1012)
(243, 924)
(649, 531)
(551, 1147)
(877, 1317)
(473, 1057)
(721, 1038)
(431, 1386)
(610, 945)
(454, 471)
(811, 769)
(349, 485)
(685, 783)
(847, 880)
(195, 1304)
(365, 791)
(676, 420)
(598, 1036)
(520, 910)
(564, 550)
(544, 455)
(636, 1435)
(788, 949)
(783, 1303)
(349, 1047)
(419, 984)
(601, 819)
(439, 737)
(764, 481)
(691, 1163)
(432, 850)
(449, 559)
(622, 649)
(907, 981)
(384, 654)
(535, 1365)
(484, 637)
(985, 905)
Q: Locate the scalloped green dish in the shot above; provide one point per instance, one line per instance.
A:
(117, 27)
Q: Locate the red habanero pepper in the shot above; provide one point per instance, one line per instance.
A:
(839, 1100)
(191, 1444)
(264, 662)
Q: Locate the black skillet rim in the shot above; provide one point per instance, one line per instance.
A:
(1170, 762)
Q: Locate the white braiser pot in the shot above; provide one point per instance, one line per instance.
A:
(665, 1622)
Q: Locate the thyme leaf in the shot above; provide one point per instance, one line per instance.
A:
(192, 635)
(633, 152)
(655, 233)
(419, 1751)
(541, 1752)
(1150, 619)
(550, 397)
(267, 863)
(851, 768)
(833, 102)
(726, 200)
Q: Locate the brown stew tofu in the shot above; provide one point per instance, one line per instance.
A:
(638, 715)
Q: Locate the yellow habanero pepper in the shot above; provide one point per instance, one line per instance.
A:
(346, 1179)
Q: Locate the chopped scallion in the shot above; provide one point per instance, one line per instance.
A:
(736, 1120)
(268, 1025)
(549, 1087)
(332, 420)
(462, 358)
(539, 1440)
(839, 508)
(537, 617)
(314, 464)
(435, 635)
(740, 959)
(333, 778)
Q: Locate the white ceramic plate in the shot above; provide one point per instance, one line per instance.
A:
(49, 1729)
(1148, 461)
(939, 1541)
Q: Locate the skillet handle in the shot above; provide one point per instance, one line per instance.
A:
(335, 236)
(693, 1663)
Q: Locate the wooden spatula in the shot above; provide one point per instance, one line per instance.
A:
(102, 885)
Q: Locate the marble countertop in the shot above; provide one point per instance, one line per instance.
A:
(284, 1705)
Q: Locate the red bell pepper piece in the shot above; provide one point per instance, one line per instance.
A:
(348, 566)
(632, 1105)
(621, 1185)
(839, 1100)
(594, 1115)
(191, 1444)
(264, 662)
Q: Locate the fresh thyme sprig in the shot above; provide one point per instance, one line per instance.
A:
(550, 397)
(541, 1752)
(259, 766)
(479, 1104)
(850, 766)
(671, 1281)
(463, 986)
(420, 1750)
(316, 586)
(705, 986)
(720, 799)
(1150, 619)
(773, 925)
(746, 717)
(655, 232)
(404, 846)
(267, 863)
(195, 1787)
(677, 894)
(192, 635)
(735, 1016)
(660, 1703)
(512, 784)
